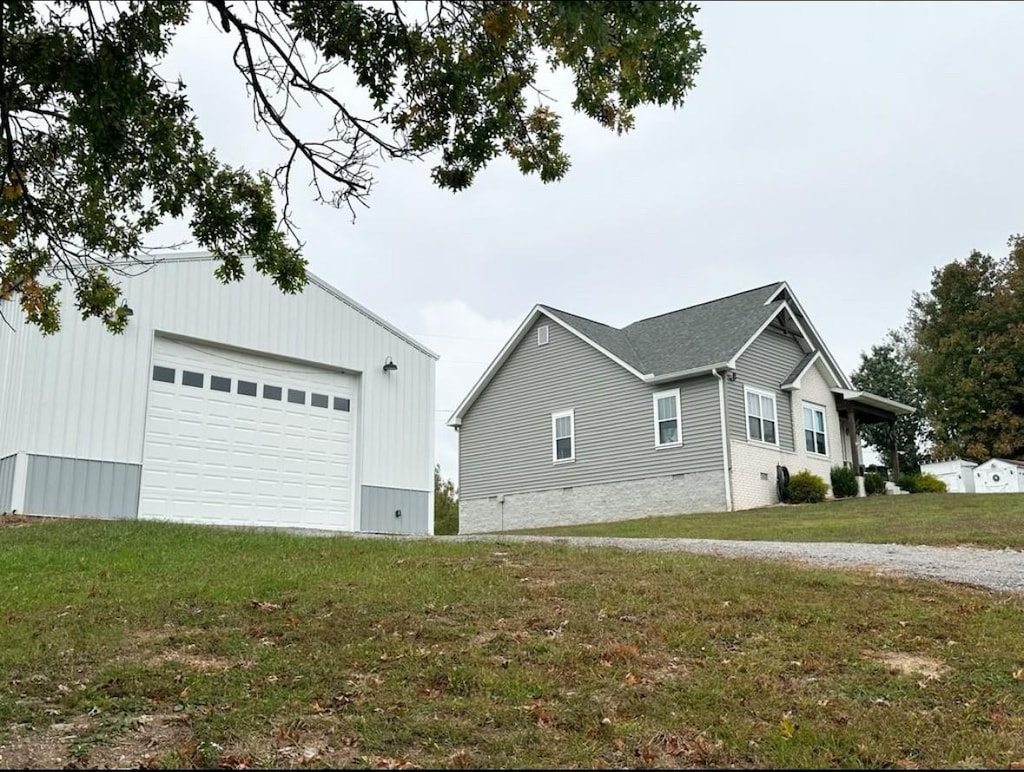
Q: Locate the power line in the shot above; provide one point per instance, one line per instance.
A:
(455, 337)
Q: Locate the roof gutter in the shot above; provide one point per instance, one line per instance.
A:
(693, 371)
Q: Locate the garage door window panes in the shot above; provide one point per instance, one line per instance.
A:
(222, 383)
(163, 374)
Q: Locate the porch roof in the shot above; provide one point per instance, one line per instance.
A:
(870, 408)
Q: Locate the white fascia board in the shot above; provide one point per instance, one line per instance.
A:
(339, 295)
(506, 351)
(693, 371)
(589, 342)
(830, 360)
(875, 400)
(827, 359)
(456, 418)
(783, 286)
(795, 383)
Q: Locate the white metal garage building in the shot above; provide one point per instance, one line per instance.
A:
(220, 404)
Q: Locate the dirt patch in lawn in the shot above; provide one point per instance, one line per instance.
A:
(82, 743)
(202, 663)
(910, 664)
(10, 521)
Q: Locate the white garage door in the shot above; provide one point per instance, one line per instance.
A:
(239, 439)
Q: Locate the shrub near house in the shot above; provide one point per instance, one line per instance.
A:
(922, 483)
(874, 483)
(806, 488)
(844, 482)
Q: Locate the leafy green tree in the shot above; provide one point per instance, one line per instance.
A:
(446, 505)
(890, 371)
(99, 147)
(969, 348)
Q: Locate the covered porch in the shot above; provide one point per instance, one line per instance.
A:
(863, 407)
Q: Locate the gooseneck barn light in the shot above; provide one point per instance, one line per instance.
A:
(389, 365)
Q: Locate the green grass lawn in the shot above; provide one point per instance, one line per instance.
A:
(146, 644)
(984, 520)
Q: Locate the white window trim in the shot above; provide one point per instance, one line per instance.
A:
(543, 336)
(572, 437)
(746, 415)
(679, 418)
(824, 422)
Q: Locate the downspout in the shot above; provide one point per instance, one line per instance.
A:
(725, 438)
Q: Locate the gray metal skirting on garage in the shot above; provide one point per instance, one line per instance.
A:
(76, 487)
(6, 482)
(379, 507)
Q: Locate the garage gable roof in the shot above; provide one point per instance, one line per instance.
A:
(189, 257)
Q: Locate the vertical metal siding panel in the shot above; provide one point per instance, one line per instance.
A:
(10, 374)
(764, 366)
(74, 487)
(505, 438)
(6, 483)
(379, 505)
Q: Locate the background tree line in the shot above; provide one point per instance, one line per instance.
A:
(960, 360)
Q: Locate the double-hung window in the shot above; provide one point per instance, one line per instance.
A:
(761, 419)
(563, 439)
(668, 429)
(814, 429)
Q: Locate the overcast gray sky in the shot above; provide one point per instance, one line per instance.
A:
(848, 149)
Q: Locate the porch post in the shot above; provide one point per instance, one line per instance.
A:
(855, 453)
(895, 452)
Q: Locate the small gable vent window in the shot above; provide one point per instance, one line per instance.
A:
(542, 335)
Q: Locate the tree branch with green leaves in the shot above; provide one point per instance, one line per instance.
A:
(99, 149)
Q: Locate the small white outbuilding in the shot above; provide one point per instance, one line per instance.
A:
(231, 405)
(957, 473)
(999, 475)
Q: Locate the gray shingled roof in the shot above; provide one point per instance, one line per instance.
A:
(698, 336)
(800, 367)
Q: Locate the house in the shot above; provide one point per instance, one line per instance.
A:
(701, 409)
(957, 473)
(226, 404)
(999, 475)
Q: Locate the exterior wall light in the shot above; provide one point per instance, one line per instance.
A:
(389, 365)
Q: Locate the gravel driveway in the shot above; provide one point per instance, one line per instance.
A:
(994, 569)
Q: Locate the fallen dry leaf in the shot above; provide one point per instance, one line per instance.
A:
(264, 605)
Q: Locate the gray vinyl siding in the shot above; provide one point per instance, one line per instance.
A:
(379, 505)
(76, 487)
(505, 443)
(6, 483)
(765, 366)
